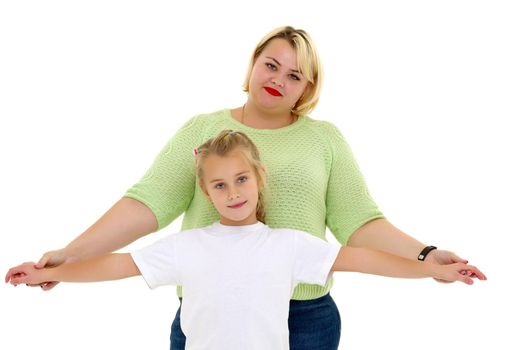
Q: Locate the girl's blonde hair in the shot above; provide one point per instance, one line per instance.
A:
(307, 60)
(224, 144)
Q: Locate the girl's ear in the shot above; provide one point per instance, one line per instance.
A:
(204, 191)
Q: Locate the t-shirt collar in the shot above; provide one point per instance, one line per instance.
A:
(219, 228)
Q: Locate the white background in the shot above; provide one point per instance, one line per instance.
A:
(428, 94)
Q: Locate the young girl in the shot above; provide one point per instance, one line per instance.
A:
(238, 274)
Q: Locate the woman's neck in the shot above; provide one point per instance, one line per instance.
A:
(253, 117)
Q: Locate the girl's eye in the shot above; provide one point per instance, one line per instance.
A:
(243, 179)
(294, 77)
(271, 66)
(219, 186)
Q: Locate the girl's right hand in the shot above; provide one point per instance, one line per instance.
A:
(51, 259)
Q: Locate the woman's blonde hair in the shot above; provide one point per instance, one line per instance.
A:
(307, 60)
(226, 142)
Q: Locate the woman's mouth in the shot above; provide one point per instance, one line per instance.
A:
(238, 205)
(272, 91)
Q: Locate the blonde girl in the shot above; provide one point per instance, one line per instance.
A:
(238, 274)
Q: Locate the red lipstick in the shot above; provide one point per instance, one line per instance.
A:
(272, 91)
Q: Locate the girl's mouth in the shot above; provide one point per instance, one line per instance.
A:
(238, 205)
(272, 91)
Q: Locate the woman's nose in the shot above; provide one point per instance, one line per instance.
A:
(278, 82)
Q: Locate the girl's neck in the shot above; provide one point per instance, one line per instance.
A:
(248, 221)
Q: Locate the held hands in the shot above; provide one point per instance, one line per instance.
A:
(447, 258)
(26, 273)
(50, 259)
(457, 272)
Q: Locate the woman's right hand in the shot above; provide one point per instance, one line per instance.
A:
(51, 259)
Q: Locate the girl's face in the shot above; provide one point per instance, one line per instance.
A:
(275, 82)
(230, 184)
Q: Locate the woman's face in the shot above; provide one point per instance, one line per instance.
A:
(276, 83)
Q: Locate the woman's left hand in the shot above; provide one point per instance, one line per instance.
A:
(444, 257)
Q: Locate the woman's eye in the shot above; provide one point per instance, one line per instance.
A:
(271, 66)
(294, 77)
(219, 186)
(243, 179)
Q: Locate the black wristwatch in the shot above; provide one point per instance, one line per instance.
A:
(425, 252)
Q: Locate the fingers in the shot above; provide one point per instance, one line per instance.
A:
(26, 274)
(465, 279)
(468, 272)
(43, 261)
(14, 272)
(44, 285)
(475, 272)
(22, 279)
(20, 269)
(22, 274)
(19, 279)
(7, 277)
(457, 259)
(48, 285)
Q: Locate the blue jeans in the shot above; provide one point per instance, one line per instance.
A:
(313, 325)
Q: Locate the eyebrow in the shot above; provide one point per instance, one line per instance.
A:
(293, 70)
(242, 172)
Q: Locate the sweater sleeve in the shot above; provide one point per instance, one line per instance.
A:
(348, 202)
(168, 186)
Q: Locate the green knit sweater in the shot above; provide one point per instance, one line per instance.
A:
(314, 181)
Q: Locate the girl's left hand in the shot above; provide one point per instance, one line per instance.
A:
(444, 257)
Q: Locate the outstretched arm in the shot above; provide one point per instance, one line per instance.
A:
(103, 268)
(380, 234)
(125, 222)
(384, 264)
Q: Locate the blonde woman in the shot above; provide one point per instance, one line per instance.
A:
(312, 175)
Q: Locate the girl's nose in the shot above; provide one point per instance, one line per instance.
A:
(233, 195)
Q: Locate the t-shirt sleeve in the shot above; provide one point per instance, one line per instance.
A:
(314, 259)
(158, 263)
(348, 202)
(169, 185)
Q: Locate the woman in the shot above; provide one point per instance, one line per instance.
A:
(314, 182)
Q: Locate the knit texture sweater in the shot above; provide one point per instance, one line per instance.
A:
(313, 181)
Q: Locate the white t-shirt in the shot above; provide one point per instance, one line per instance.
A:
(237, 281)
